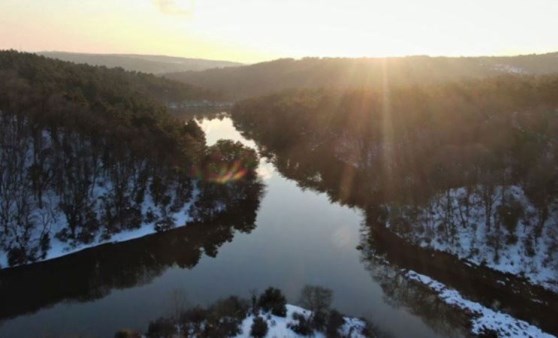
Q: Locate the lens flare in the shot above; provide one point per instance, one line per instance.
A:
(222, 173)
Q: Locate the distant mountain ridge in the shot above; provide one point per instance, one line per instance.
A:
(273, 76)
(155, 64)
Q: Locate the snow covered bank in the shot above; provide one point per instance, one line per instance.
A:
(58, 247)
(484, 320)
(62, 191)
(266, 315)
(281, 326)
(499, 228)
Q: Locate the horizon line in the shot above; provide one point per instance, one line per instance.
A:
(394, 56)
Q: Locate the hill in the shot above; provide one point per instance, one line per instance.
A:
(90, 154)
(154, 64)
(469, 168)
(343, 73)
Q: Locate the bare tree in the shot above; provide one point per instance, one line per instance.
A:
(318, 300)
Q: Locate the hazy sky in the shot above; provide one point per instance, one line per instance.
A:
(255, 30)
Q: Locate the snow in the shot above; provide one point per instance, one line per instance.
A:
(28, 219)
(279, 326)
(59, 248)
(459, 222)
(484, 319)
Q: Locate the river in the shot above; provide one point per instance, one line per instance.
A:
(300, 237)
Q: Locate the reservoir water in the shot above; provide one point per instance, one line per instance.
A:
(300, 237)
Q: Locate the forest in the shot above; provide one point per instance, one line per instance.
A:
(355, 73)
(467, 167)
(415, 141)
(153, 64)
(89, 152)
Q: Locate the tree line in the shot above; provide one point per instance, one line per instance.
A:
(413, 141)
(349, 73)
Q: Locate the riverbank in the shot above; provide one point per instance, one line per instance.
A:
(265, 315)
(484, 321)
(59, 248)
(499, 228)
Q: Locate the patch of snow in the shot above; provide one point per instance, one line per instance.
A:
(484, 319)
(279, 326)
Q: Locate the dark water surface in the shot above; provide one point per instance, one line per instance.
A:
(299, 238)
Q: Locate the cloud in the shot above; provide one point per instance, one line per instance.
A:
(176, 7)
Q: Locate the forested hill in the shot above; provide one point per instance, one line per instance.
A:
(269, 77)
(93, 81)
(497, 131)
(154, 64)
(125, 105)
(469, 168)
(89, 152)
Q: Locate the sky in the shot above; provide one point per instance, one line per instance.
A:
(257, 30)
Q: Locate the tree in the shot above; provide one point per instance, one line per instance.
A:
(126, 333)
(273, 300)
(318, 300)
(334, 323)
(161, 328)
(259, 328)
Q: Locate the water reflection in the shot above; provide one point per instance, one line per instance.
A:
(220, 127)
(399, 291)
(297, 241)
(388, 247)
(299, 238)
(94, 273)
